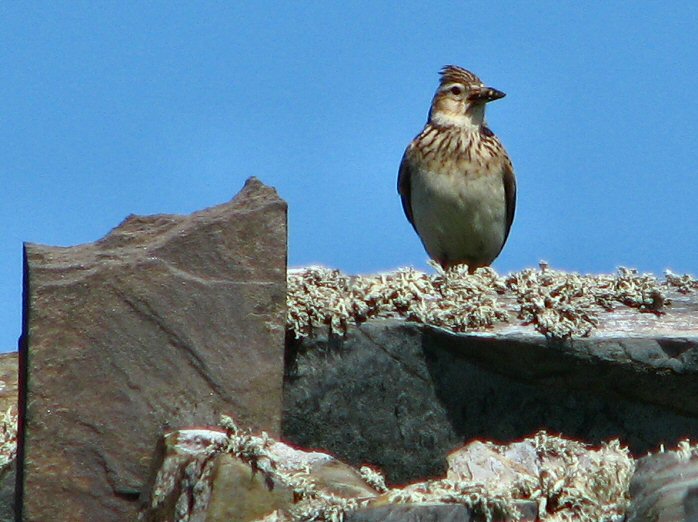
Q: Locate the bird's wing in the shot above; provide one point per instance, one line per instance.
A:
(404, 187)
(509, 196)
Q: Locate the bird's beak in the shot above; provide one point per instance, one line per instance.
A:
(485, 94)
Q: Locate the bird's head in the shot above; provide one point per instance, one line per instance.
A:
(460, 99)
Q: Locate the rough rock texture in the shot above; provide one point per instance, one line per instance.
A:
(8, 381)
(559, 305)
(232, 475)
(402, 395)
(7, 492)
(8, 435)
(416, 513)
(235, 475)
(665, 487)
(198, 480)
(167, 321)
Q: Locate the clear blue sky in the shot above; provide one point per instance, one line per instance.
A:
(111, 108)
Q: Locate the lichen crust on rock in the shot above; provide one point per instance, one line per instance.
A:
(556, 304)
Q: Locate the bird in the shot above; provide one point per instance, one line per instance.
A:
(456, 180)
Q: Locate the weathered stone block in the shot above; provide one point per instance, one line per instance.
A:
(167, 321)
(401, 395)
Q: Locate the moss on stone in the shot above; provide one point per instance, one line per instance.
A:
(557, 304)
(8, 438)
(572, 482)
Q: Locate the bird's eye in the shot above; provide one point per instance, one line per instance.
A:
(456, 90)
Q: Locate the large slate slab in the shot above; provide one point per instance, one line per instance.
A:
(402, 395)
(167, 321)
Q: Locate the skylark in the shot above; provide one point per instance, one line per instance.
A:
(456, 180)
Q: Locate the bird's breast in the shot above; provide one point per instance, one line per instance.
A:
(459, 209)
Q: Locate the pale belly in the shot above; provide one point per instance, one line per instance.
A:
(460, 219)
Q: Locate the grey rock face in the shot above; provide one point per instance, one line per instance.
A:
(369, 398)
(401, 396)
(409, 513)
(431, 513)
(7, 492)
(665, 487)
(167, 321)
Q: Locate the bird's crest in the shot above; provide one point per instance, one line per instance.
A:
(453, 73)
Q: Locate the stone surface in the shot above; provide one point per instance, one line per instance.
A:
(340, 479)
(553, 471)
(435, 512)
(197, 480)
(8, 381)
(8, 427)
(7, 492)
(167, 321)
(414, 513)
(559, 305)
(402, 396)
(241, 494)
(665, 487)
(482, 462)
(236, 475)
(218, 476)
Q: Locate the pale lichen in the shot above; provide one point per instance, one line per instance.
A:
(487, 501)
(686, 450)
(563, 305)
(8, 437)
(570, 481)
(320, 297)
(684, 284)
(557, 304)
(311, 502)
(577, 483)
(374, 478)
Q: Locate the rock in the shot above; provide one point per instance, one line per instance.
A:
(8, 381)
(414, 513)
(664, 487)
(435, 512)
(483, 462)
(340, 480)
(167, 321)
(401, 395)
(181, 472)
(561, 306)
(551, 470)
(369, 399)
(241, 494)
(8, 435)
(208, 474)
(198, 480)
(7, 492)
(204, 474)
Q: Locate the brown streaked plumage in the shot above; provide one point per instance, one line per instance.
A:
(456, 181)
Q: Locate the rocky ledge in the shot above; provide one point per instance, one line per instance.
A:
(399, 370)
(231, 474)
(228, 474)
(559, 305)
